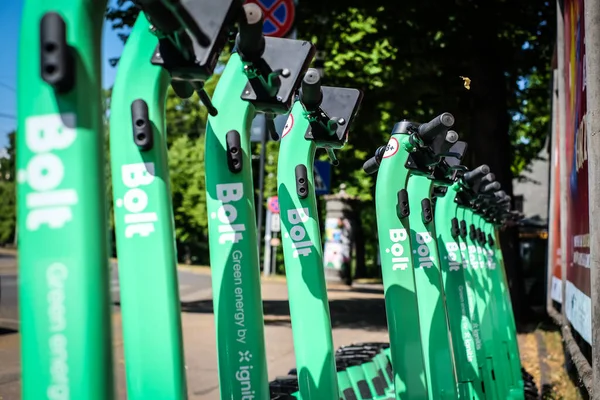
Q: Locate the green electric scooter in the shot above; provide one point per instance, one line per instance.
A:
(420, 344)
(320, 118)
(477, 380)
(177, 46)
(64, 297)
(262, 75)
(456, 296)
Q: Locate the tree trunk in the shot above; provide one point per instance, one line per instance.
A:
(489, 140)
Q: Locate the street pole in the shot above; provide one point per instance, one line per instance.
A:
(592, 47)
(267, 253)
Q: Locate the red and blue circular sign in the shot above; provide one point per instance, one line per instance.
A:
(273, 204)
(278, 16)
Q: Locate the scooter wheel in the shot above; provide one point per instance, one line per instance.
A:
(531, 389)
(283, 386)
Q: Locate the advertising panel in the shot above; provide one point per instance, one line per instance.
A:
(577, 302)
(554, 213)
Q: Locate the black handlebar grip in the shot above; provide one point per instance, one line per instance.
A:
(477, 173)
(489, 178)
(500, 194)
(440, 124)
(251, 41)
(371, 165)
(505, 200)
(491, 187)
(310, 92)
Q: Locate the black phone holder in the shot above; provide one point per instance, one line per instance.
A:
(191, 37)
(275, 75)
(330, 121)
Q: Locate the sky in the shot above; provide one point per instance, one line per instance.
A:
(10, 21)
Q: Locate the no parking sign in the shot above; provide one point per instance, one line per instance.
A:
(278, 16)
(273, 204)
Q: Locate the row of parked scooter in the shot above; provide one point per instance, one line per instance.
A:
(451, 327)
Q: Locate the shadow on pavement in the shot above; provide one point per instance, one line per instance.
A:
(360, 289)
(367, 314)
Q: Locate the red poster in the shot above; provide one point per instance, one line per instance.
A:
(554, 228)
(577, 301)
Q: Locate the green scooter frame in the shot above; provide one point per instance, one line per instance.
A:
(417, 376)
(234, 254)
(235, 267)
(304, 131)
(490, 246)
(141, 186)
(398, 277)
(435, 336)
(493, 314)
(64, 298)
(144, 224)
(446, 278)
(462, 307)
(488, 327)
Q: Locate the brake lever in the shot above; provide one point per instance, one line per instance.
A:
(332, 158)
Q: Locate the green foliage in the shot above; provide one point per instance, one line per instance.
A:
(8, 211)
(408, 59)
(186, 166)
(8, 207)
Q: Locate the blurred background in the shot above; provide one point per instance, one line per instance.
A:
(488, 62)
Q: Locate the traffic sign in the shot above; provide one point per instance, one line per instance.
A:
(273, 204)
(275, 223)
(322, 177)
(278, 16)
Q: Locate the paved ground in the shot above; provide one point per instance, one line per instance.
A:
(357, 315)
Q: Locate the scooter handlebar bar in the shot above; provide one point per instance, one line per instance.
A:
(372, 164)
(437, 126)
(310, 92)
(491, 187)
(251, 41)
(477, 173)
(489, 178)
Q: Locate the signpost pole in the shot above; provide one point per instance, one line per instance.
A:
(592, 35)
(267, 253)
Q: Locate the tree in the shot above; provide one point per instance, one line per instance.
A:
(409, 58)
(8, 207)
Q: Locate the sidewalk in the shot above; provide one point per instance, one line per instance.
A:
(357, 315)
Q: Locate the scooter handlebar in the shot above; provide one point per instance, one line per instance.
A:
(250, 40)
(491, 187)
(437, 126)
(310, 92)
(372, 164)
(477, 173)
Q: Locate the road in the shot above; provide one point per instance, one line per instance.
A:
(192, 287)
(357, 315)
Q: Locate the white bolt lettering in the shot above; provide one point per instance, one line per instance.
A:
(45, 171)
(397, 236)
(135, 200)
(297, 217)
(227, 213)
(425, 260)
